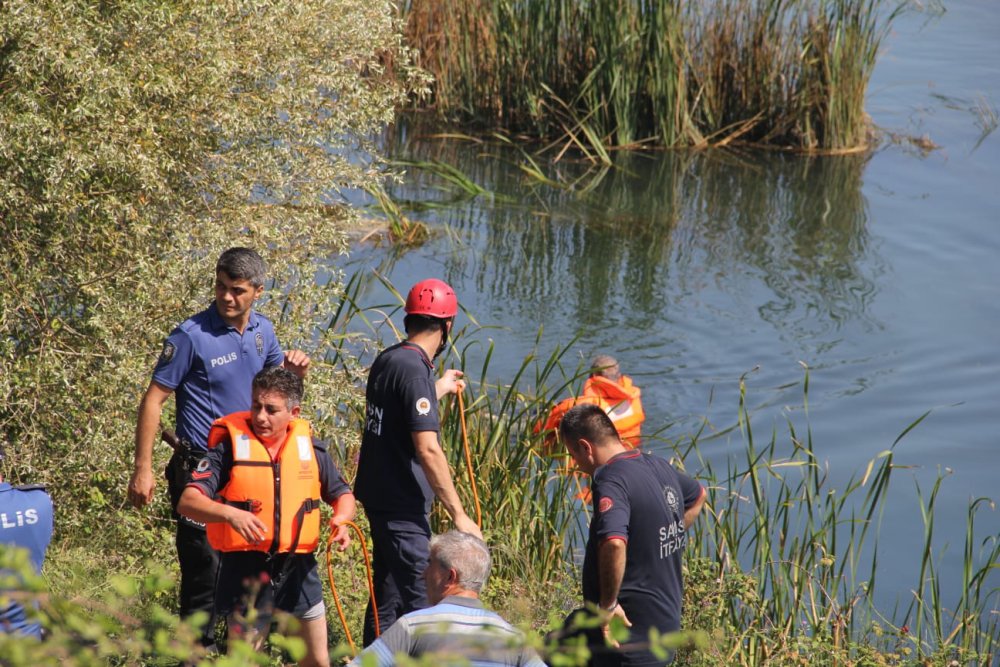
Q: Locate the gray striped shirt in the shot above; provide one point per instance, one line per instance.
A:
(458, 630)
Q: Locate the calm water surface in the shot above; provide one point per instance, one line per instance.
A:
(881, 272)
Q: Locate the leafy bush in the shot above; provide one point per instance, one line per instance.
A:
(140, 139)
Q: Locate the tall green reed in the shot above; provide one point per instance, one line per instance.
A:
(785, 73)
(810, 543)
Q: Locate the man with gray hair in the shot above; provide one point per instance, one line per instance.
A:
(456, 626)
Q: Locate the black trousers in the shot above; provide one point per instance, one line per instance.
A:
(400, 552)
(601, 655)
(199, 562)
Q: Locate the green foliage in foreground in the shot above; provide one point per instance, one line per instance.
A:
(791, 74)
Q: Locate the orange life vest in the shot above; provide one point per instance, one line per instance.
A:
(284, 492)
(621, 400)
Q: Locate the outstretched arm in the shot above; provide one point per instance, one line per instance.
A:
(143, 483)
(435, 465)
(610, 572)
(344, 508)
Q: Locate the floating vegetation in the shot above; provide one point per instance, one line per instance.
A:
(606, 74)
(401, 231)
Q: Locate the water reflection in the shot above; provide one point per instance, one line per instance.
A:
(784, 235)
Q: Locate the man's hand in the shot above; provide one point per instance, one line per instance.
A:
(465, 524)
(297, 362)
(450, 383)
(606, 627)
(247, 525)
(141, 487)
(341, 535)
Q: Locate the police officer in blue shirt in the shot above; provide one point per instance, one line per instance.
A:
(209, 363)
(25, 521)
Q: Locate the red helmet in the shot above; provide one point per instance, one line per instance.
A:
(432, 297)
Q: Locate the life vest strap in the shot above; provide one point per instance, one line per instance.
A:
(248, 505)
(308, 505)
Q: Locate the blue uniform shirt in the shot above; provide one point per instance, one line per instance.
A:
(641, 499)
(25, 521)
(401, 398)
(211, 368)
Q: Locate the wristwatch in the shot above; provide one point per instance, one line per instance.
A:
(611, 608)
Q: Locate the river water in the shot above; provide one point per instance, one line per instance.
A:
(880, 272)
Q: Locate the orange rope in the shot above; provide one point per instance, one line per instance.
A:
(333, 586)
(468, 461)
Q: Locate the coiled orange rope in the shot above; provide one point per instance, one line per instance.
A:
(333, 586)
(468, 461)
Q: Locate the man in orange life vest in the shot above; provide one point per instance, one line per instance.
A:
(613, 392)
(258, 490)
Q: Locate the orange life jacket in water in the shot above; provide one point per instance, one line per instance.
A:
(283, 492)
(621, 400)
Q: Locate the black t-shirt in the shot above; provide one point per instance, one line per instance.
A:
(641, 499)
(400, 399)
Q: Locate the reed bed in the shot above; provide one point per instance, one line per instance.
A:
(605, 73)
(782, 568)
(806, 551)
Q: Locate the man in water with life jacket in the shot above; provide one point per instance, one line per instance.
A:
(402, 466)
(258, 490)
(611, 391)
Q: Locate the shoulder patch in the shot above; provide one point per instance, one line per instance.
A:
(201, 471)
(168, 352)
(605, 504)
(423, 405)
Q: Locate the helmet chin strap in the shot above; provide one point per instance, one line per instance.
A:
(444, 339)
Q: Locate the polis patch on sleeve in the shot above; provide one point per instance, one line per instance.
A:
(168, 352)
(423, 405)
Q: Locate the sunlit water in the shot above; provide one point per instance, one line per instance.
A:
(880, 272)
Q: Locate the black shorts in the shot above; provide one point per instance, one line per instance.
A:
(286, 582)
